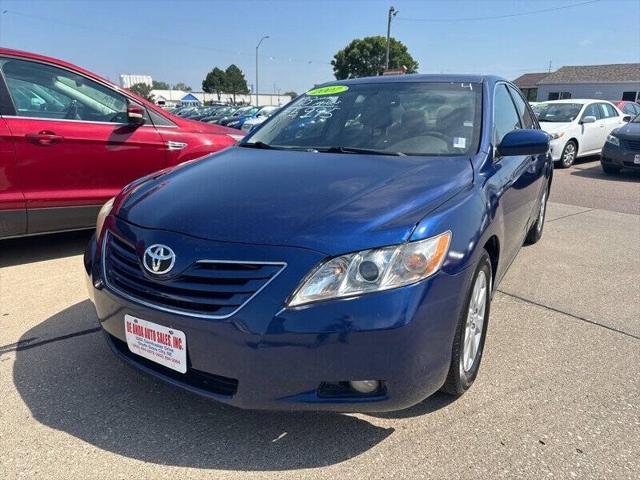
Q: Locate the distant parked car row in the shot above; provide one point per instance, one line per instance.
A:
(581, 127)
(234, 116)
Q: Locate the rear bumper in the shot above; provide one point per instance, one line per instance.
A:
(277, 359)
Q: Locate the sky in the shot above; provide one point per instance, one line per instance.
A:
(180, 41)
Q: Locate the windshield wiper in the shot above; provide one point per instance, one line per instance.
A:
(370, 151)
(262, 145)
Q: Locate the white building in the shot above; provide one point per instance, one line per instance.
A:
(128, 80)
(174, 98)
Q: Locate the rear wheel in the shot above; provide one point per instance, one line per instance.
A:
(610, 169)
(569, 153)
(471, 331)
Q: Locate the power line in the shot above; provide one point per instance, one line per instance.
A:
(495, 17)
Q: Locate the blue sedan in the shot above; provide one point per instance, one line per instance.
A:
(342, 257)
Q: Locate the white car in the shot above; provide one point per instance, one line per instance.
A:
(261, 116)
(577, 127)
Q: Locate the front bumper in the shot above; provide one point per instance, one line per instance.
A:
(277, 358)
(619, 156)
(556, 147)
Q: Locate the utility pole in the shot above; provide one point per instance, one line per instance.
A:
(257, 47)
(549, 71)
(392, 13)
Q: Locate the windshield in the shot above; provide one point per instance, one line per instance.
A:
(421, 118)
(558, 112)
(636, 119)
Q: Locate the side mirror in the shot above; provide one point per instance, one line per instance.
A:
(626, 118)
(588, 119)
(524, 142)
(135, 114)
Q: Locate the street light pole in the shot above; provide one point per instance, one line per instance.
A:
(257, 47)
(392, 13)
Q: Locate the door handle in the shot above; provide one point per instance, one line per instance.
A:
(45, 138)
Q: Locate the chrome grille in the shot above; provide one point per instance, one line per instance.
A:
(207, 288)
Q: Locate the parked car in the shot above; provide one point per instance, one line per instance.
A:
(248, 110)
(205, 112)
(238, 120)
(627, 107)
(622, 148)
(70, 140)
(256, 119)
(219, 114)
(327, 267)
(578, 127)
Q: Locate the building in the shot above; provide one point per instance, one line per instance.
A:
(174, 98)
(620, 81)
(128, 80)
(528, 83)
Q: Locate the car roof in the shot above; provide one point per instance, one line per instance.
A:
(417, 78)
(577, 100)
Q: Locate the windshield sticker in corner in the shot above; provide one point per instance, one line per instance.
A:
(315, 108)
(331, 90)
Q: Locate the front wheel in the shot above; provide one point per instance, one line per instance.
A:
(471, 331)
(535, 233)
(569, 153)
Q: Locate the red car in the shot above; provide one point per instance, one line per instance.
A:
(70, 140)
(627, 107)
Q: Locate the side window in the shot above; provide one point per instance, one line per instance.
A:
(629, 108)
(592, 111)
(607, 110)
(44, 91)
(505, 116)
(523, 111)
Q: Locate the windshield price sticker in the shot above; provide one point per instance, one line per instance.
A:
(331, 90)
(315, 108)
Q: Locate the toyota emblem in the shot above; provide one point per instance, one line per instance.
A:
(159, 259)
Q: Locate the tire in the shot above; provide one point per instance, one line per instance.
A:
(464, 368)
(569, 153)
(610, 169)
(535, 232)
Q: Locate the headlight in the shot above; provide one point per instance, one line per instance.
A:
(555, 136)
(373, 270)
(102, 216)
(613, 140)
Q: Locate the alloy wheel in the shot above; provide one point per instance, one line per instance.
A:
(475, 323)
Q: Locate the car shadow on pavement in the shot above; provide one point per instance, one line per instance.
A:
(43, 247)
(597, 172)
(74, 383)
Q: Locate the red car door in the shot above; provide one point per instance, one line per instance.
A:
(13, 216)
(74, 145)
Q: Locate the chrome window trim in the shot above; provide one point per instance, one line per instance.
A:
(119, 124)
(138, 301)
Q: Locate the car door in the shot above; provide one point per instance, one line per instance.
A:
(13, 215)
(73, 144)
(592, 135)
(518, 173)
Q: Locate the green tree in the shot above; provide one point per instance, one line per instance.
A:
(159, 85)
(182, 86)
(365, 57)
(215, 82)
(142, 89)
(236, 83)
(291, 94)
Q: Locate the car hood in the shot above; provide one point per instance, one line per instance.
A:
(553, 127)
(629, 131)
(330, 203)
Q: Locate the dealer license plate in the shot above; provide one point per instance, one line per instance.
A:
(160, 344)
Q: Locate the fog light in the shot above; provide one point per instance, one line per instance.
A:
(365, 386)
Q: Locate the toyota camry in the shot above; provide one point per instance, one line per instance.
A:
(343, 256)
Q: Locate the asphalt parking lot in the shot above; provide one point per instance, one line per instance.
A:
(558, 394)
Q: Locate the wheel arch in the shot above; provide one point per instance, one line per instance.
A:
(492, 246)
